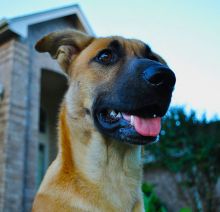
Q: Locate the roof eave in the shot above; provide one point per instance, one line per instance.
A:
(20, 25)
(6, 34)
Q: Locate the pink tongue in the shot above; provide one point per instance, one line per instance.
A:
(148, 126)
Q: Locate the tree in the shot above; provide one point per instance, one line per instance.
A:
(191, 147)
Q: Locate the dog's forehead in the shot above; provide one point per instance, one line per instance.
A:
(129, 45)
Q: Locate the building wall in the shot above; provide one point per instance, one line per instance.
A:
(13, 124)
(5, 78)
(167, 186)
(38, 62)
(20, 72)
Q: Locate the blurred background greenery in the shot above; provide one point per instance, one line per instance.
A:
(190, 148)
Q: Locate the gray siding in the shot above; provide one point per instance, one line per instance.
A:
(20, 73)
(38, 62)
(6, 51)
(13, 75)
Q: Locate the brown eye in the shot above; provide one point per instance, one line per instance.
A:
(105, 57)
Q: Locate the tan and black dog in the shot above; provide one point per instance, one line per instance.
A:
(118, 91)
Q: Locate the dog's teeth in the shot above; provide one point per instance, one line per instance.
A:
(114, 114)
(154, 115)
(118, 115)
(132, 120)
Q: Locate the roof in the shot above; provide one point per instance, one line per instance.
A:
(19, 25)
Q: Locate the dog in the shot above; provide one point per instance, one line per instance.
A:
(119, 90)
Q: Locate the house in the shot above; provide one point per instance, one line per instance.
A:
(31, 89)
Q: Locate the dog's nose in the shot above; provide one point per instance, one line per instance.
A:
(159, 76)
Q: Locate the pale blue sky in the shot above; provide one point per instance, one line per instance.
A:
(185, 32)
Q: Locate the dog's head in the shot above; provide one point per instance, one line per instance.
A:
(118, 84)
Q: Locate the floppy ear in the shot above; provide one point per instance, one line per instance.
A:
(64, 45)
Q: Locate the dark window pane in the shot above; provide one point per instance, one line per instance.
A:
(41, 163)
(42, 121)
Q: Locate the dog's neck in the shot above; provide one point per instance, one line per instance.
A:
(97, 154)
(108, 163)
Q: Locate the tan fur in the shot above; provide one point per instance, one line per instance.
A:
(91, 172)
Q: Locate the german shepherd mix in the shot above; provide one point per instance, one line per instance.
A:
(118, 91)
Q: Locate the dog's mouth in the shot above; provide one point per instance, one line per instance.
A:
(143, 126)
(130, 127)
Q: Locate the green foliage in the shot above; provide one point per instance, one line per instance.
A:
(151, 201)
(185, 210)
(191, 147)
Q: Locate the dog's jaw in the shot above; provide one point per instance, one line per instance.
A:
(111, 167)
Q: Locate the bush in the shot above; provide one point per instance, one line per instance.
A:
(191, 147)
(151, 201)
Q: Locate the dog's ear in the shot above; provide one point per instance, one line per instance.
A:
(64, 45)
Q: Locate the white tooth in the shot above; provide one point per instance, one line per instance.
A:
(118, 115)
(113, 114)
(154, 115)
(132, 120)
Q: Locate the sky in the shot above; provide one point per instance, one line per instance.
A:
(185, 33)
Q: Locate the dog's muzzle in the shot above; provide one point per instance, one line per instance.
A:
(132, 109)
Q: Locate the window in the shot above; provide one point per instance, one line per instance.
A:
(41, 163)
(42, 121)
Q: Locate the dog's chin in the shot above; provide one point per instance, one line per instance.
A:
(117, 126)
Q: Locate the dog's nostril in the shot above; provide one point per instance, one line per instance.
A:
(157, 79)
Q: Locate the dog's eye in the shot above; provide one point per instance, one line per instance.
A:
(105, 57)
